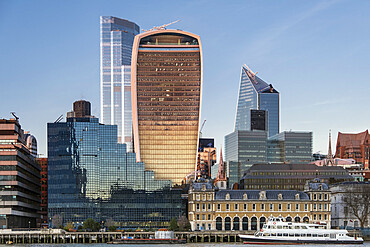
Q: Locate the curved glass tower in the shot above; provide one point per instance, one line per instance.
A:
(166, 87)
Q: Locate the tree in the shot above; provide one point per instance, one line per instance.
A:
(91, 225)
(184, 224)
(68, 226)
(110, 223)
(173, 225)
(357, 201)
(57, 221)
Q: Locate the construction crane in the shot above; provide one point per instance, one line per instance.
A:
(15, 116)
(201, 128)
(163, 27)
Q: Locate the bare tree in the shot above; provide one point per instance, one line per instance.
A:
(57, 221)
(357, 201)
(183, 223)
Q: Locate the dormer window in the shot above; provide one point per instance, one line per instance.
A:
(262, 195)
(227, 197)
(203, 187)
(280, 196)
(297, 196)
(245, 197)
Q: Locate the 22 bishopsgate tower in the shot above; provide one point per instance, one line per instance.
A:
(116, 38)
(166, 98)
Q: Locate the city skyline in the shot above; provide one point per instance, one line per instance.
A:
(312, 51)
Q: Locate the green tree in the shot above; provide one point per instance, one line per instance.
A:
(91, 225)
(173, 225)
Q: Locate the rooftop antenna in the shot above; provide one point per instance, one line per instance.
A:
(15, 116)
(59, 119)
(163, 27)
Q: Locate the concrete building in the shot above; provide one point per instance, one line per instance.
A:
(166, 98)
(347, 197)
(19, 178)
(116, 39)
(223, 210)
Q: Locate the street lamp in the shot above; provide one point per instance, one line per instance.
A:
(29, 225)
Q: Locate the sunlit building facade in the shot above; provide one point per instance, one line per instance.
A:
(116, 38)
(166, 98)
(256, 94)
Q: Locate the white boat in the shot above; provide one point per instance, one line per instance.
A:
(276, 231)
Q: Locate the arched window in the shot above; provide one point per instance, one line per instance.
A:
(219, 223)
(236, 224)
(262, 221)
(288, 219)
(245, 224)
(227, 224)
(297, 219)
(254, 224)
(306, 219)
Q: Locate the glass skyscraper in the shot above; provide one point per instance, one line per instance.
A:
(256, 94)
(92, 176)
(116, 38)
(166, 90)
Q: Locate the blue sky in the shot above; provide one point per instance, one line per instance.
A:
(315, 53)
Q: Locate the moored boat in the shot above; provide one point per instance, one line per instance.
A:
(276, 231)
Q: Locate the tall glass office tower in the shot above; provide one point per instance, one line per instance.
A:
(166, 98)
(116, 38)
(92, 176)
(256, 94)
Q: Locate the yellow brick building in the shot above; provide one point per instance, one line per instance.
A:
(248, 210)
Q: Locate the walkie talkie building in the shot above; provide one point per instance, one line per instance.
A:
(166, 94)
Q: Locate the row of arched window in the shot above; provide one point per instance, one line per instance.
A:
(235, 224)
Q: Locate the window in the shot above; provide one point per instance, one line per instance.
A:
(197, 216)
(314, 206)
(245, 207)
(271, 206)
(325, 196)
(279, 207)
(262, 207)
(227, 206)
(218, 207)
(209, 206)
(314, 217)
(203, 217)
(305, 207)
(209, 217)
(203, 207)
(288, 206)
(254, 207)
(320, 206)
(236, 207)
(297, 207)
(325, 207)
(320, 196)
(198, 206)
(198, 197)
(314, 197)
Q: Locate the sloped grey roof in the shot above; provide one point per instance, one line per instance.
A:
(254, 194)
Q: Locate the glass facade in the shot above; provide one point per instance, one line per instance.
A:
(116, 38)
(290, 147)
(92, 176)
(256, 94)
(167, 83)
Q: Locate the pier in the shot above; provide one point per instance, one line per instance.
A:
(57, 236)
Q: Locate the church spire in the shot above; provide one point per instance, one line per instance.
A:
(221, 169)
(329, 158)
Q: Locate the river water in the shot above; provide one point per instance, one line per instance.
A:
(367, 244)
